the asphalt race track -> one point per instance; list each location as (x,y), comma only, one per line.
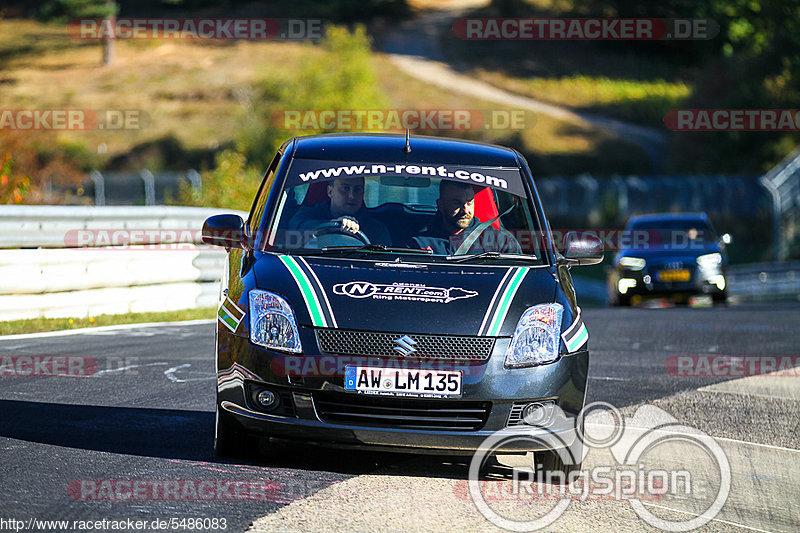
(146,413)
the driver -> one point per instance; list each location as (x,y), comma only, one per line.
(344,207)
(455,222)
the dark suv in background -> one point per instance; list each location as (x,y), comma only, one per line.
(669,255)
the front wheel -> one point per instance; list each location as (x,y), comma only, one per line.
(554,470)
(617,300)
(560,465)
(721,298)
(230,440)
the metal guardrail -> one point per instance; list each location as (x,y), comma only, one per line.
(138,187)
(752,282)
(765,281)
(714,194)
(57,262)
(783,184)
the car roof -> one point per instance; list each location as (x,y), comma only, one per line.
(659,217)
(376,147)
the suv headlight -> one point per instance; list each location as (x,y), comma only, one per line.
(709,261)
(536,340)
(632,263)
(272,322)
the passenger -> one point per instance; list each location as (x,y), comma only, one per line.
(455,222)
(345,207)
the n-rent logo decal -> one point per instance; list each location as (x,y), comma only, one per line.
(401,291)
(310,170)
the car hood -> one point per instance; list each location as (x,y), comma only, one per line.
(405,297)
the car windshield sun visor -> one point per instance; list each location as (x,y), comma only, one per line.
(498,178)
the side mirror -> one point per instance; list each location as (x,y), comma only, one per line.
(726,238)
(224,230)
(582,249)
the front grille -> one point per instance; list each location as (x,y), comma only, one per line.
(515,416)
(390,412)
(372,343)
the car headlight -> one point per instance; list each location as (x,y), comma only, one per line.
(709,260)
(632,263)
(272,322)
(536,339)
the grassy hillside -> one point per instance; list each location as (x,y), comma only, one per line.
(201,96)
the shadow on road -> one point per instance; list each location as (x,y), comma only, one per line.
(167,433)
(188,436)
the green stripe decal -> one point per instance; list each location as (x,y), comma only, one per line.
(227,318)
(505,302)
(314,309)
(579,339)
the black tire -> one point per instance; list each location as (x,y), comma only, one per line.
(720,299)
(552,462)
(231,441)
(620,301)
(566,460)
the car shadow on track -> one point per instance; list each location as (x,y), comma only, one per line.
(167,433)
(188,435)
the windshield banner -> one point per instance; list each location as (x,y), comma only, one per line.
(311,170)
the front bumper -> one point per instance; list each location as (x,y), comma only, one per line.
(626,283)
(243,367)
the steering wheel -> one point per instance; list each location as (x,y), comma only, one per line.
(335,227)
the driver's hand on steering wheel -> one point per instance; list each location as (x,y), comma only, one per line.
(348,224)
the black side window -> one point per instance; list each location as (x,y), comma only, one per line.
(260,203)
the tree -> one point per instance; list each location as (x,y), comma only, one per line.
(66,10)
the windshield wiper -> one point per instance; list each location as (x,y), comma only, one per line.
(373,248)
(490,255)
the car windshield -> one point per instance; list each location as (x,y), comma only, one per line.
(672,233)
(439,211)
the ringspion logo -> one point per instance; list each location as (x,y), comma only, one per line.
(639,470)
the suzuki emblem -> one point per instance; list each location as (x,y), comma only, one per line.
(405,345)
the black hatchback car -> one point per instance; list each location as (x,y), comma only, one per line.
(674,255)
(402,294)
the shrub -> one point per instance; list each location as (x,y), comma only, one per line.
(230,184)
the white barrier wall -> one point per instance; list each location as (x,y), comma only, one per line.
(44,274)
(35,226)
